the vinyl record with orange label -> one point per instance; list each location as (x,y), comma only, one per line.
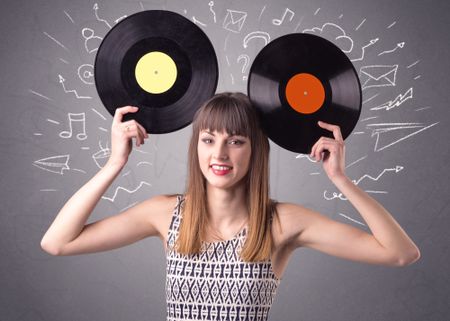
(299,79)
(159,61)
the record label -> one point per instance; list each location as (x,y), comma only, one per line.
(156,72)
(305,93)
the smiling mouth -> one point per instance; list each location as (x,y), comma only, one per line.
(221,168)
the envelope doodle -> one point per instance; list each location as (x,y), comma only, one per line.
(378,76)
(234,20)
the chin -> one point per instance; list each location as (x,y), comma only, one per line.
(224,185)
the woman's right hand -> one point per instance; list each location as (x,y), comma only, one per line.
(122,134)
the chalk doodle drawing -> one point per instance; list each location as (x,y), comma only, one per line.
(396,169)
(359,26)
(376,60)
(363,49)
(378,76)
(211,5)
(387,134)
(339,36)
(38,94)
(234,20)
(196,21)
(246,59)
(62,81)
(91,41)
(101,156)
(68,16)
(256,34)
(54,164)
(400,99)
(399,45)
(78,121)
(278,22)
(86,74)
(56,41)
(130,191)
(96,7)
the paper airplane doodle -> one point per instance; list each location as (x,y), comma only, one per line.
(389,134)
(54,164)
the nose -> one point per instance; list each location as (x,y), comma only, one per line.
(221,151)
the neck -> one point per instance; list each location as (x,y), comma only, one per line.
(226,207)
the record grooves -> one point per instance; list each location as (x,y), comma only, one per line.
(298,79)
(159,61)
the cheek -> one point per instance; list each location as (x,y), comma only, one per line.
(246,158)
(201,158)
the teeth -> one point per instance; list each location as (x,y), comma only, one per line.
(221,168)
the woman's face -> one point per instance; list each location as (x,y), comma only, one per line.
(223,159)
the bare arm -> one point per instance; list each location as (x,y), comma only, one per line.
(71,220)
(387,245)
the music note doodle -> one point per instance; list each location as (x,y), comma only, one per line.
(278,22)
(79,119)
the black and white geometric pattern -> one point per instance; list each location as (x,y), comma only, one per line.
(216,284)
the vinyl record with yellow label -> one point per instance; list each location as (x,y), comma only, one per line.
(159,61)
(299,79)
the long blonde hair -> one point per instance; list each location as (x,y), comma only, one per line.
(231,113)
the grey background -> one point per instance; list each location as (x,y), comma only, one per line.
(128,283)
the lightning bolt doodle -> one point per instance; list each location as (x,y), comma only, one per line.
(400,99)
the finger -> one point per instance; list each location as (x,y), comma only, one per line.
(325,145)
(142,130)
(333,128)
(323,149)
(139,126)
(119,112)
(321,139)
(313,150)
(132,129)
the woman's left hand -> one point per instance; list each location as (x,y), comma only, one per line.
(330,151)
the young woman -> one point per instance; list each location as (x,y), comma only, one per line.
(227,242)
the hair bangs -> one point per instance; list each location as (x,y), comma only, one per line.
(224,115)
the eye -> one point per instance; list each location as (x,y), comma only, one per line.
(236,142)
(206,140)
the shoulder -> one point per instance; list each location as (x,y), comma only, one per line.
(159,211)
(161,202)
(290,221)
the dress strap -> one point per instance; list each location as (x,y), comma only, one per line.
(175,223)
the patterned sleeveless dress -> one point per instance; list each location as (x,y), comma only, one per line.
(216,284)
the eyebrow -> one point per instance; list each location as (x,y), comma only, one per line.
(207,131)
